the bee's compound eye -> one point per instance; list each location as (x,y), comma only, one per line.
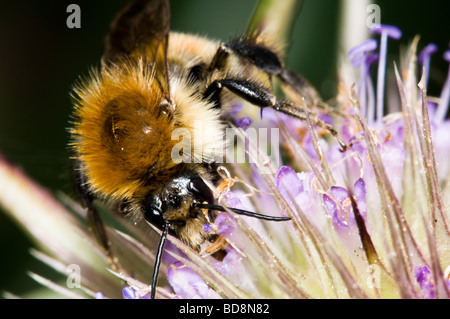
(153,212)
(200,190)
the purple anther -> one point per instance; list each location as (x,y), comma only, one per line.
(389,30)
(357,52)
(359,58)
(447,55)
(425,57)
(427,52)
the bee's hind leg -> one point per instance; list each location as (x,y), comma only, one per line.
(93,216)
(295,111)
(256,94)
(265,59)
(268,61)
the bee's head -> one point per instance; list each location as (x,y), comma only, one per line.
(175,206)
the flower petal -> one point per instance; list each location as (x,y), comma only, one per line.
(334,211)
(288,182)
(359,191)
(129,293)
(99,295)
(188,284)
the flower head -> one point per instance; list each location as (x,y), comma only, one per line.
(371,222)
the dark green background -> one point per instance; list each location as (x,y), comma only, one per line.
(40,58)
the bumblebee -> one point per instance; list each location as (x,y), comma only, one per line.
(150,83)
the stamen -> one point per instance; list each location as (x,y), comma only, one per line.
(424,58)
(370,91)
(391,32)
(442,109)
(357,56)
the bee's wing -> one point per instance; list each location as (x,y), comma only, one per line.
(140,29)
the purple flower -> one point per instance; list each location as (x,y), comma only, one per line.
(187,284)
(99,295)
(299,191)
(207,228)
(242,122)
(394,245)
(129,293)
(359,191)
(286,178)
(339,207)
(223,225)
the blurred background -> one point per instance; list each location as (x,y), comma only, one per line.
(40,59)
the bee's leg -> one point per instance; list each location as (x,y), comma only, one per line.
(93,216)
(295,111)
(258,55)
(293,84)
(258,95)
(220,58)
(200,71)
(250,91)
(268,61)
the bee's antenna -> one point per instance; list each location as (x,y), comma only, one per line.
(240,212)
(158,260)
